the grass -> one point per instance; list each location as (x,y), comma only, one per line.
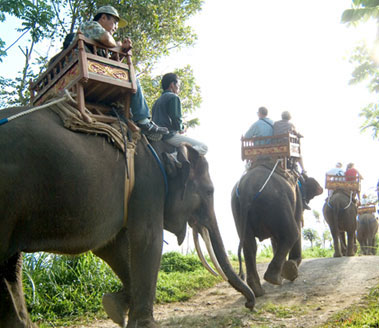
(363,315)
(63,291)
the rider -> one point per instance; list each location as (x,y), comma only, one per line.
(101,29)
(283,127)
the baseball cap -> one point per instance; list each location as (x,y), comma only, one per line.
(111,11)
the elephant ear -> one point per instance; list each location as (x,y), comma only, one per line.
(188,157)
(171,164)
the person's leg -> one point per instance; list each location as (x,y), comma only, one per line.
(138,105)
(140,112)
(177,139)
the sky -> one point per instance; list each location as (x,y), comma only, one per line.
(284,55)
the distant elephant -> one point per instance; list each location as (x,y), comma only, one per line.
(340,213)
(270,206)
(63,192)
(366,233)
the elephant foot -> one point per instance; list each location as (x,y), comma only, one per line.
(113,306)
(143,323)
(256,287)
(337,255)
(273,278)
(289,270)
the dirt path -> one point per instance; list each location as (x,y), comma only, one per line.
(324,287)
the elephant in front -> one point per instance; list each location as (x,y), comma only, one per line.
(267,203)
(366,233)
(63,192)
(340,212)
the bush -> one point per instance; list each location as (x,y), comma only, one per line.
(317,252)
(62,286)
(176,262)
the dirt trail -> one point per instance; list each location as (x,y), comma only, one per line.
(324,287)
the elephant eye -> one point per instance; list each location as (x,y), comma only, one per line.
(209,192)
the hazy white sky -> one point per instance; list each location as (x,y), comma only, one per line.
(284,55)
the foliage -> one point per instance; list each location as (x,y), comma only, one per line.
(317,252)
(62,288)
(189,92)
(365,314)
(366,62)
(176,262)
(311,235)
(266,254)
(156,28)
(181,286)
(326,236)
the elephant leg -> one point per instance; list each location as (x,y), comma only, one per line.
(145,244)
(350,243)
(336,241)
(250,253)
(373,245)
(116,254)
(13,311)
(241,273)
(343,243)
(285,240)
(290,267)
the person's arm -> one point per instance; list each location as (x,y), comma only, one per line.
(174,111)
(93,30)
(107,39)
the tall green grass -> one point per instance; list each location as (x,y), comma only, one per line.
(62,288)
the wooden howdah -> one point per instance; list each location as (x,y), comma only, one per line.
(275,147)
(96,78)
(334,182)
(366,209)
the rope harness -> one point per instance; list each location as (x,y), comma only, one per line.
(347,206)
(264,184)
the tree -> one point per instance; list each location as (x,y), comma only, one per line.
(366,61)
(311,235)
(156,27)
(37,22)
(326,236)
(316,215)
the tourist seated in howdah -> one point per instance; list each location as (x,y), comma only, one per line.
(91,69)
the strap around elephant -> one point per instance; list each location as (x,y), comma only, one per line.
(159,164)
(347,206)
(264,184)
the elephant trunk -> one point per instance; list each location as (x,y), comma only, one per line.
(225,266)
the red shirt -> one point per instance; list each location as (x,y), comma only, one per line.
(351,174)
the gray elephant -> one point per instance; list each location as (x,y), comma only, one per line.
(366,233)
(63,192)
(340,212)
(268,204)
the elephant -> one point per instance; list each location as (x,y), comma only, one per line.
(268,204)
(63,192)
(366,233)
(340,212)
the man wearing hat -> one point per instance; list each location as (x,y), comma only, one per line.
(101,29)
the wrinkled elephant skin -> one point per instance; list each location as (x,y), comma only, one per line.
(274,212)
(63,192)
(366,233)
(340,213)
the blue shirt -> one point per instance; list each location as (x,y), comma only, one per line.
(261,128)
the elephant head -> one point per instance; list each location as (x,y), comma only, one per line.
(312,187)
(190,200)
